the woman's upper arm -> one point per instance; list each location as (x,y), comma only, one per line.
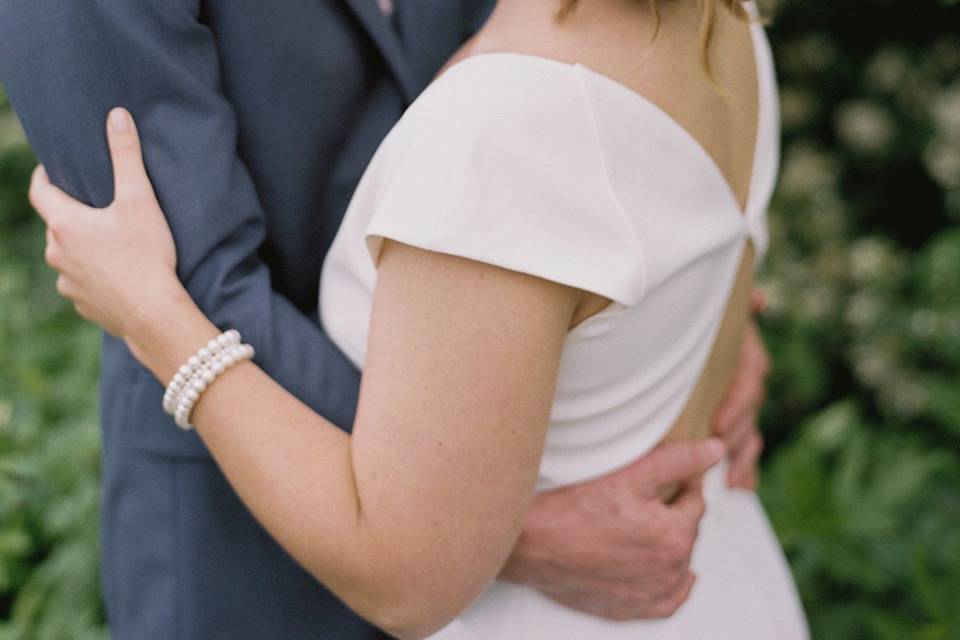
(455,401)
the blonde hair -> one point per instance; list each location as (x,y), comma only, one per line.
(706,28)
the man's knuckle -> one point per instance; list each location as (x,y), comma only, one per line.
(684,540)
(676,551)
(667,536)
(699,509)
(622,614)
(661,557)
(670,604)
(656,528)
(675,580)
(664,609)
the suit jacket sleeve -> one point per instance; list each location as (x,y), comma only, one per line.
(66,63)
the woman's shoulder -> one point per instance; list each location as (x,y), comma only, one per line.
(510,93)
(499,161)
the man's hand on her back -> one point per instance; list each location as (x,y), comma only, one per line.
(612,547)
(736,420)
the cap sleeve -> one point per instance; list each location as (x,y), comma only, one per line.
(503,166)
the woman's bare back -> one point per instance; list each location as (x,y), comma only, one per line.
(720,113)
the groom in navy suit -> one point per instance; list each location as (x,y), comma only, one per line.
(258,119)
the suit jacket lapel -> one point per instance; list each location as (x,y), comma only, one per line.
(384,36)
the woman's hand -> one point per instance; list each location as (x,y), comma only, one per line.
(117,264)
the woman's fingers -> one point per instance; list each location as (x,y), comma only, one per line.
(129,173)
(51,253)
(49,201)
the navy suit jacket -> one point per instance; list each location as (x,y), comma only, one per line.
(258,119)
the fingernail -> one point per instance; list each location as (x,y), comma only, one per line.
(119,121)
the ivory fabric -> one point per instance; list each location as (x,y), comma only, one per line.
(555,170)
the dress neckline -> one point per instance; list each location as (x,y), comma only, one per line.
(745,213)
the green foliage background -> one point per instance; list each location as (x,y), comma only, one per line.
(862,471)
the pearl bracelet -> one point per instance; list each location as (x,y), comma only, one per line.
(189,370)
(204,377)
(200,371)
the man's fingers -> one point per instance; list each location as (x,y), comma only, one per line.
(742,399)
(758,301)
(674,462)
(734,437)
(674,601)
(746,391)
(743,463)
(689,500)
(129,173)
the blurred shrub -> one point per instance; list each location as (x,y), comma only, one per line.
(49,434)
(862,474)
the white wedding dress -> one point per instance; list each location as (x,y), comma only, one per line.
(556,170)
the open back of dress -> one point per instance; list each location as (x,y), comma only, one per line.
(557,171)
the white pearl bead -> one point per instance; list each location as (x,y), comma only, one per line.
(207,376)
(223,340)
(191,394)
(199,385)
(213,345)
(228,360)
(250,353)
(193,362)
(234,336)
(178,379)
(217,367)
(185,371)
(204,354)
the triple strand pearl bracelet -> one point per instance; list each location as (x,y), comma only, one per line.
(200,371)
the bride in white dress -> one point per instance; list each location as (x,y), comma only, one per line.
(545,267)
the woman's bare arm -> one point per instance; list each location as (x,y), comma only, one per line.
(412,517)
